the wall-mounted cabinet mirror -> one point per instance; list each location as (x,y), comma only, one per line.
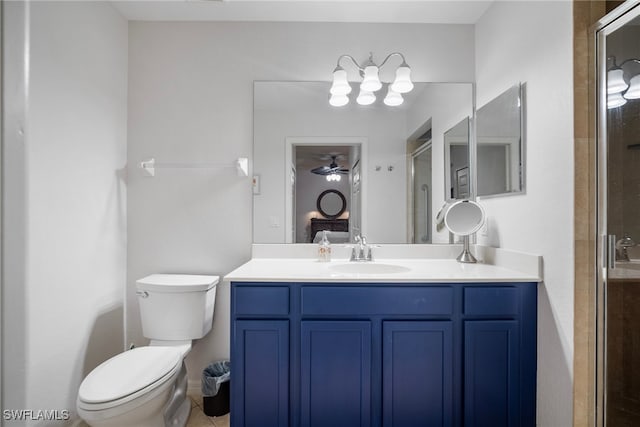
(297,131)
(500,145)
(456,161)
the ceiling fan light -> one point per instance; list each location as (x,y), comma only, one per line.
(615,100)
(338,100)
(615,81)
(393,99)
(340,85)
(402,83)
(365,97)
(634,88)
(370,82)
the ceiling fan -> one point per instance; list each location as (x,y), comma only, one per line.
(333,168)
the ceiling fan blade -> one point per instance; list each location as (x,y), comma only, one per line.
(322,170)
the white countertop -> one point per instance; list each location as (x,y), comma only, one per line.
(294,265)
(625,270)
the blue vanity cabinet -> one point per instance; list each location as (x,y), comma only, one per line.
(417,373)
(499,367)
(335,373)
(383,354)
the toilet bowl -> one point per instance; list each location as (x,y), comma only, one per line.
(146,386)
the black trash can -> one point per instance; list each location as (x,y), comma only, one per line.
(215,388)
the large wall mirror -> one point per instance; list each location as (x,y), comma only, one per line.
(500,145)
(297,132)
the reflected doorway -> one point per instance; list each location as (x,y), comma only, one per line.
(320,168)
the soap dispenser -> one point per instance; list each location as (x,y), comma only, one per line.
(324,248)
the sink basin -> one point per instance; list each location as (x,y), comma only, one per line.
(368,268)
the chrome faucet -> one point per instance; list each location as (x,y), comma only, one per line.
(621,247)
(361,251)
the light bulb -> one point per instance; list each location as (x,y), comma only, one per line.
(615,100)
(393,98)
(402,83)
(615,81)
(340,84)
(338,100)
(337,177)
(365,97)
(634,88)
(371,81)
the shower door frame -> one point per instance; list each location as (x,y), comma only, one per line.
(428,145)
(605,254)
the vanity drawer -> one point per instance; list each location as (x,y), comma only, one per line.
(379,300)
(260,300)
(491,301)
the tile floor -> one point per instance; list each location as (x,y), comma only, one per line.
(198,417)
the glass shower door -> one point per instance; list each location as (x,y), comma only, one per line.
(618,51)
(422,197)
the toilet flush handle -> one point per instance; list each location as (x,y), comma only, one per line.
(142,294)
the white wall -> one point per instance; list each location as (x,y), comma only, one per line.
(532,42)
(74,202)
(190,100)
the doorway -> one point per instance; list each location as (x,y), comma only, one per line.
(325,188)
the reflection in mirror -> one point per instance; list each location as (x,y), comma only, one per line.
(331,204)
(499,149)
(374,145)
(456,149)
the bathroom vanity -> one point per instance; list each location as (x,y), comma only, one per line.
(397,342)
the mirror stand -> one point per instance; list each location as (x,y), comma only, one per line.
(466,256)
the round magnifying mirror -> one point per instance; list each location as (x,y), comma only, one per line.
(464,218)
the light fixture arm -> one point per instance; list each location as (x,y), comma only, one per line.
(352,59)
(390,55)
(627,61)
(615,66)
(370,61)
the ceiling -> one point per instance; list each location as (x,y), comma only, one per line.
(380,11)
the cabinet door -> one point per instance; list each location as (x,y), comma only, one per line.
(492,373)
(335,375)
(417,374)
(260,363)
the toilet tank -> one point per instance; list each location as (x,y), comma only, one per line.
(176,306)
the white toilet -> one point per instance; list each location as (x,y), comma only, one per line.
(146,386)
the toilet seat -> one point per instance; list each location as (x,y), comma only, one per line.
(128,376)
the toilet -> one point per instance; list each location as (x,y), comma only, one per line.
(147,386)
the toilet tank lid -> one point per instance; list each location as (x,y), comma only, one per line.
(177,282)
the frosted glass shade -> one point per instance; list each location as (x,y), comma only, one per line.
(340,84)
(393,98)
(615,81)
(402,83)
(634,88)
(371,81)
(338,100)
(615,100)
(365,97)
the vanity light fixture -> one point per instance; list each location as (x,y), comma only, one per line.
(371,83)
(618,90)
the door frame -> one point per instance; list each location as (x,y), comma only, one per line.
(290,142)
(603,250)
